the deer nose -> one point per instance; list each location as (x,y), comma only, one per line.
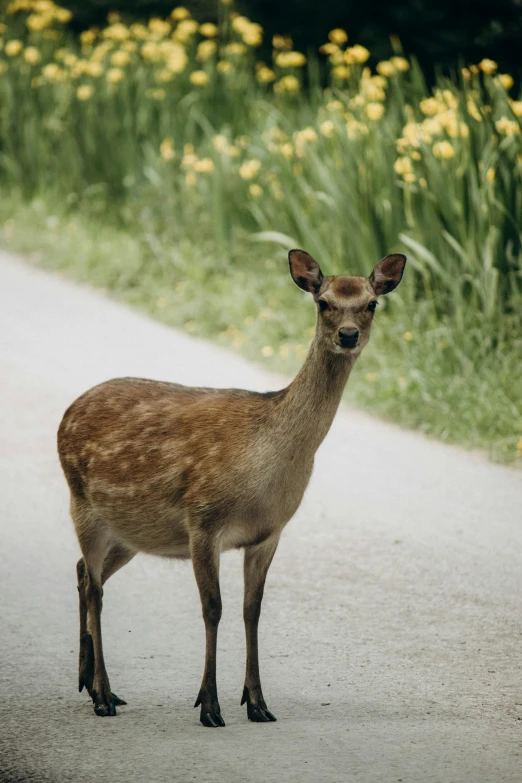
(348,337)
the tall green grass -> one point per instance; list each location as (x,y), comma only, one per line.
(207,180)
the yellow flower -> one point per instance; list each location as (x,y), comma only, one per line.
(250,169)
(129,46)
(114,75)
(84,92)
(507,127)
(329,48)
(443,149)
(205,50)
(235,49)
(290,59)
(516,108)
(372,91)
(371,377)
(204,166)
(267,351)
(167,149)
(164,76)
(282,42)
(32,55)
(176,58)
(466,74)
(338,36)
(490,175)
(37,22)
(400,63)
(408,336)
(403,166)
(224,66)
(52,72)
(356,54)
(139,31)
(327,128)
(506,80)
(265,75)
(88,37)
(519,445)
(253,34)
(488,66)
(98,53)
(385,68)
(255,190)
(62,14)
(185,30)
(473,110)
(308,134)
(208,29)
(199,78)
(423,183)
(287,84)
(3,67)
(335,106)
(179,13)
(93,69)
(341,72)
(240,23)
(302,138)
(159,28)
(70,59)
(120,58)
(220,143)
(116,32)
(429,106)
(374,111)
(286,150)
(13,47)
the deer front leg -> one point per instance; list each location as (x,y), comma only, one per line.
(257,563)
(205,559)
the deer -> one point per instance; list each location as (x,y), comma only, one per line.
(188,472)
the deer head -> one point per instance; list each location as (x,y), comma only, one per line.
(345,305)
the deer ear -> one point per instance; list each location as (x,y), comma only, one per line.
(387,274)
(305,271)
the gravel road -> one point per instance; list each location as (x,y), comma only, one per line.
(391,633)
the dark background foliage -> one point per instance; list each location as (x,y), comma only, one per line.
(442,34)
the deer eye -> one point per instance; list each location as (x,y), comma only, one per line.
(372,306)
(323,305)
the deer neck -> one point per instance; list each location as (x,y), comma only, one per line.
(308,406)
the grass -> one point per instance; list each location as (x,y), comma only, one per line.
(162,165)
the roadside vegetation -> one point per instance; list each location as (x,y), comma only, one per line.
(167,164)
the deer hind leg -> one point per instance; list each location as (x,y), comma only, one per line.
(98,549)
(205,559)
(256,565)
(116,558)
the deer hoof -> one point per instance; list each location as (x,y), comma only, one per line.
(210,714)
(104,707)
(117,701)
(257,712)
(212,719)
